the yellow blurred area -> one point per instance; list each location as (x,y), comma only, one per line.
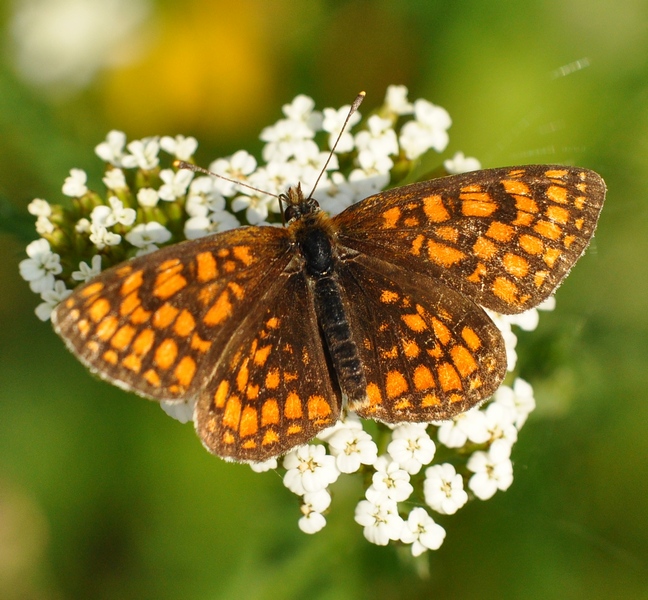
(210,67)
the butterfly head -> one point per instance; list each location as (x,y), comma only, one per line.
(297,206)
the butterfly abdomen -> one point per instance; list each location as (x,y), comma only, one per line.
(314,239)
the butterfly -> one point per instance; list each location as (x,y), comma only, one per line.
(274,331)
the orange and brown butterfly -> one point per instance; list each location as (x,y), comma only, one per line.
(273,331)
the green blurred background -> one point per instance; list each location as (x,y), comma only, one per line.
(104,496)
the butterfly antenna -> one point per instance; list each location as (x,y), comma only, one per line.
(181,164)
(356,103)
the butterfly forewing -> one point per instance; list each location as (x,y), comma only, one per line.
(271,388)
(428,352)
(155,324)
(504,237)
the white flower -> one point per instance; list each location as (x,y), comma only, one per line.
(82,226)
(379,137)
(309,469)
(175,183)
(518,399)
(147,235)
(107,216)
(147,197)
(500,422)
(41,266)
(87,272)
(334,194)
(51,299)
(510,339)
(237,167)
(429,130)
(371,162)
(301,110)
(333,122)
(348,421)
(314,504)
(256,205)
(470,425)
(352,448)
(101,237)
(39,208)
(112,150)
(143,154)
(380,520)
(284,139)
(411,447)
(396,100)
(266,465)
(461,164)
(61,44)
(75,184)
(422,532)
(366,184)
(197,227)
(443,489)
(114,179)
(389,481)
(180,146)
(492,470)
(180,411)
(44,226)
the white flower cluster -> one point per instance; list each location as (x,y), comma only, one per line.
(145,201)
(136,218)
(399,478)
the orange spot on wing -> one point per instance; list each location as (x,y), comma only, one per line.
(516,187)
(414,322)
(478,273)
(557,214)
(166,353)
(206,267)
(463,360)
(197,343)
(243,254)
(220,396)
(515,265)
(450,234)
(269,413)
(261,355)
(390,218)
(448,377)
(243,376)
(550,256)
(395,384)
(152,378)
(388,297)
(444,255)
(318,408)
(133,363)
(500,231)
(185,371)
(410,348)
(110,356)
(557,193)
(99,309)
(129,304)
(423,378)
(220,311)
(132,283)
(164,316)
(166,286)
(506,290)
(373,394)
(143,342)
(106,328)
(293,407)
(548,230)
(272,379)
(478,208)
(484,248)
(471,338)
(185,323)
(249,422)
(140,316)
(434,209)
(232,412)
(441,331)
(531,244)
(122,339)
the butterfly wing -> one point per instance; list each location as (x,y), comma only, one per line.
(504,237)
(154,324)
(271,388)
(428,352)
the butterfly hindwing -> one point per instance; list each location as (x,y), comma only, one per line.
(428,353)
(271,388)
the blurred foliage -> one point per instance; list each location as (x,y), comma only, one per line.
(104,496)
